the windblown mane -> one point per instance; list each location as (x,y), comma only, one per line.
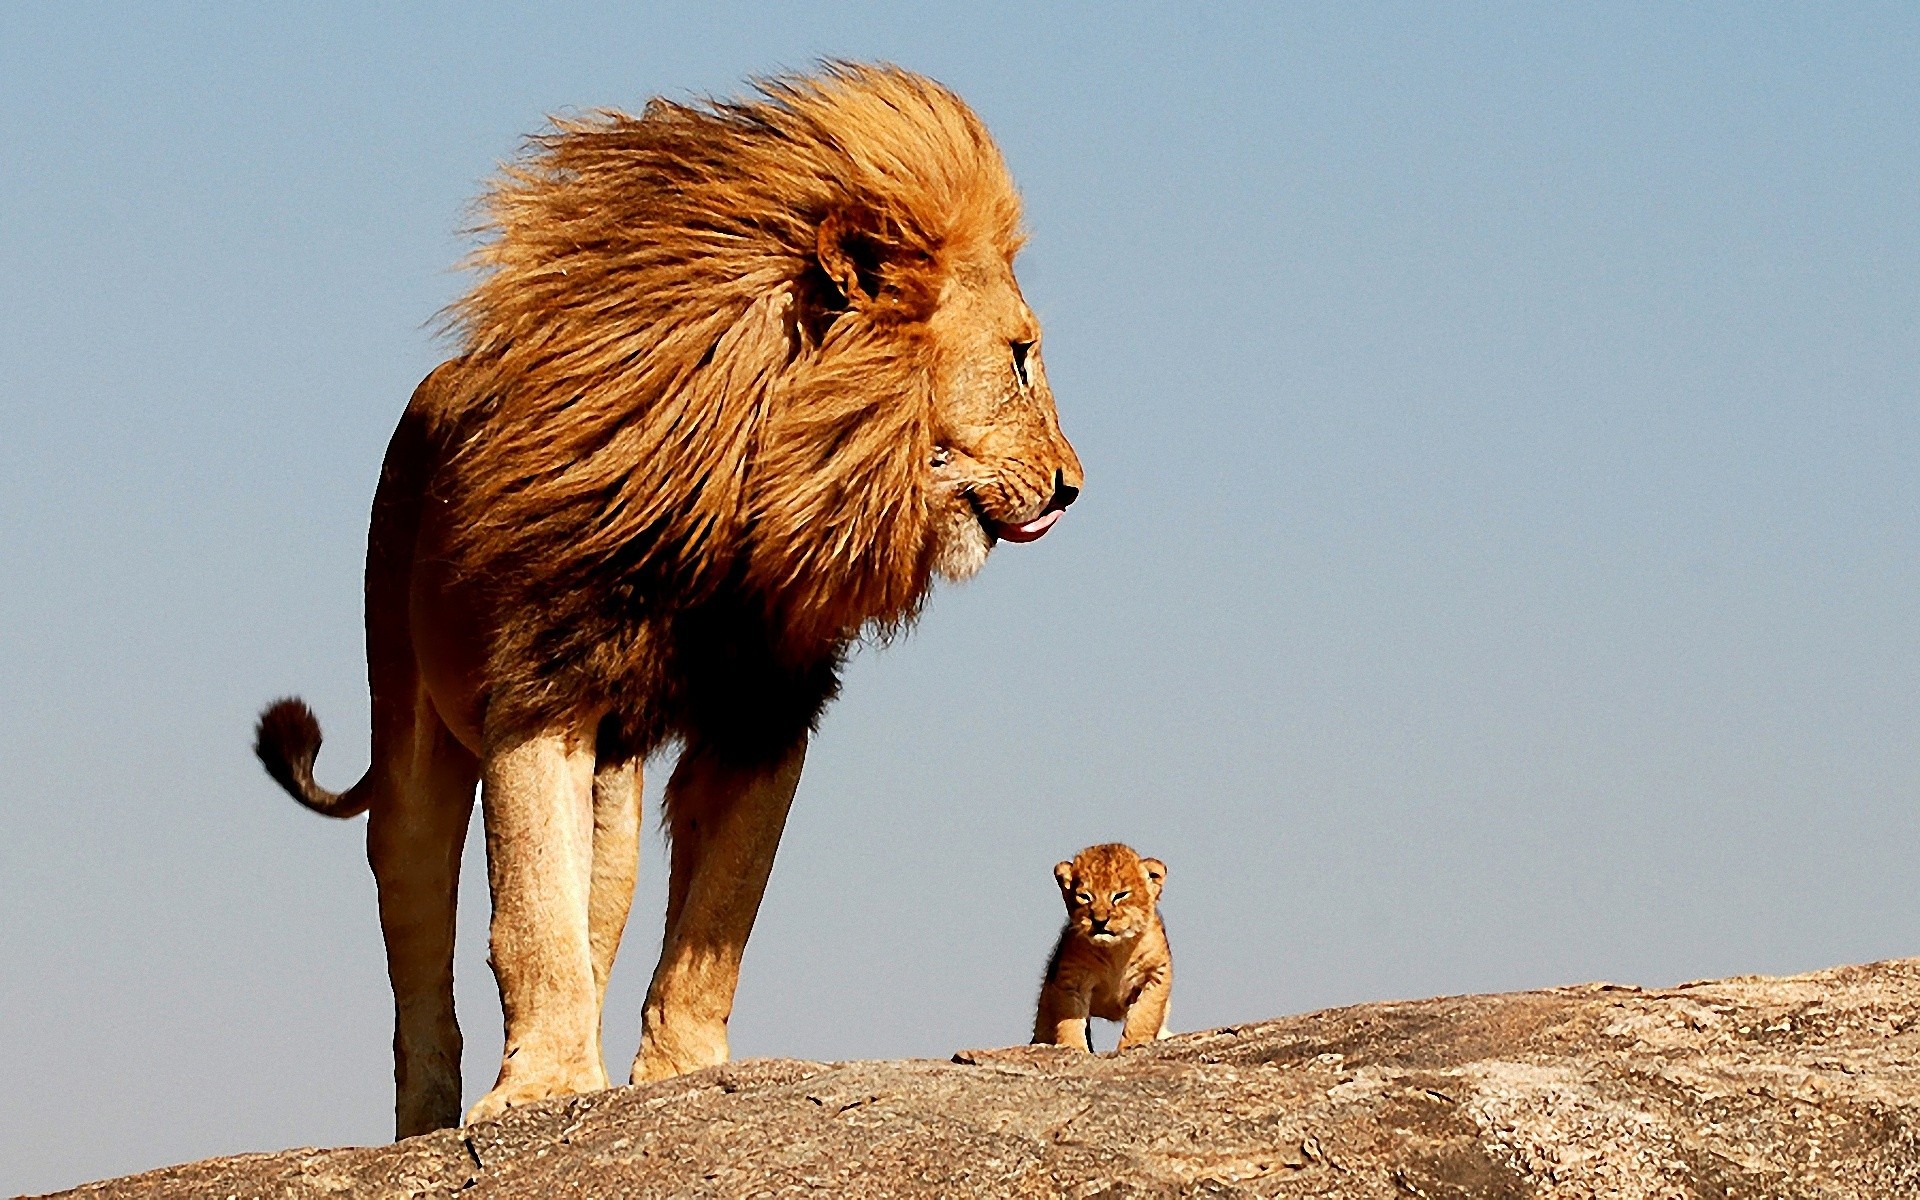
(696,369)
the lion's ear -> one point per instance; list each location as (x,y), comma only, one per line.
(1063,872)
(851,254)
(1156,874)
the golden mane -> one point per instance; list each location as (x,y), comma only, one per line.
(695,370)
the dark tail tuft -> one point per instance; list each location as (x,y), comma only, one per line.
(287,740)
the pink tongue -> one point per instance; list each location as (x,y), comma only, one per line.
(1032,530)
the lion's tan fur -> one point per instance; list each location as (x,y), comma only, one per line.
(735,382)
(1112,959)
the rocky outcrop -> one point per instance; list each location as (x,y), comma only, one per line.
(1797,1087)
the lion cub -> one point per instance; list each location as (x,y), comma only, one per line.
(1112,959)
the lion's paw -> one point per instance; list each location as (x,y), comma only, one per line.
(524,1090)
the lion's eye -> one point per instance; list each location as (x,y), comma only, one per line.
(1083,897)
(1020,351)
(1119,896)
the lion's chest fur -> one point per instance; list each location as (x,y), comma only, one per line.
(712,675)
(717,669)
(1110,976)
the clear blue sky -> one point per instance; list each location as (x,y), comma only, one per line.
(1497,566)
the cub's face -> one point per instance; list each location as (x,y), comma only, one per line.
(1110,892)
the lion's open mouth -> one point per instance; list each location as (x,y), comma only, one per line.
(1009,531)
(1031,531)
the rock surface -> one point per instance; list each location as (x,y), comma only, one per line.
(1753,1087)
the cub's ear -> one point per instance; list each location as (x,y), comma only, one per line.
(1063,872)
(1156,873)
(851,253)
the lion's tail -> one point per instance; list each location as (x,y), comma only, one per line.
(287,740)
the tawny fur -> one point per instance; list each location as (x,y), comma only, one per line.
(1112,960)
(737,381)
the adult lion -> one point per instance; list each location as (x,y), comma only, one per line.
(738,381)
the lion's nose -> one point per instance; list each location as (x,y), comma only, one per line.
(1064,493)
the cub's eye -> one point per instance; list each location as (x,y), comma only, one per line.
(1119,896)
(1020,351)
(1083,897)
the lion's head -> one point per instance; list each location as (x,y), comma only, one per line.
(1001,467)
(1110,892)
(768,351)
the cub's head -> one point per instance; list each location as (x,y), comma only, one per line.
(1110,892)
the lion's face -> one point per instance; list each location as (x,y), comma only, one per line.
(1110,893)
(1002,469)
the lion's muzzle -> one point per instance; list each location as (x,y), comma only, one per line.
(1064,494)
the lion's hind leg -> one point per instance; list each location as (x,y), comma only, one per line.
(417,827)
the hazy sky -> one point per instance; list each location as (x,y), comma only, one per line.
(1497,566)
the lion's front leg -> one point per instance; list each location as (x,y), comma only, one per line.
(616,861)
(1063,1017)
(1147,1015)
(537,799)
(725,822)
